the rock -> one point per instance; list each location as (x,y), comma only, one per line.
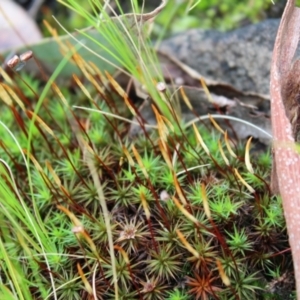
(241,57)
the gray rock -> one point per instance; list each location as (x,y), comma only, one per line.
(241,57)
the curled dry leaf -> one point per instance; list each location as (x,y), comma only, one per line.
(284,113)
(290,92)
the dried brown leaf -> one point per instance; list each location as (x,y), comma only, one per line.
(286,164)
